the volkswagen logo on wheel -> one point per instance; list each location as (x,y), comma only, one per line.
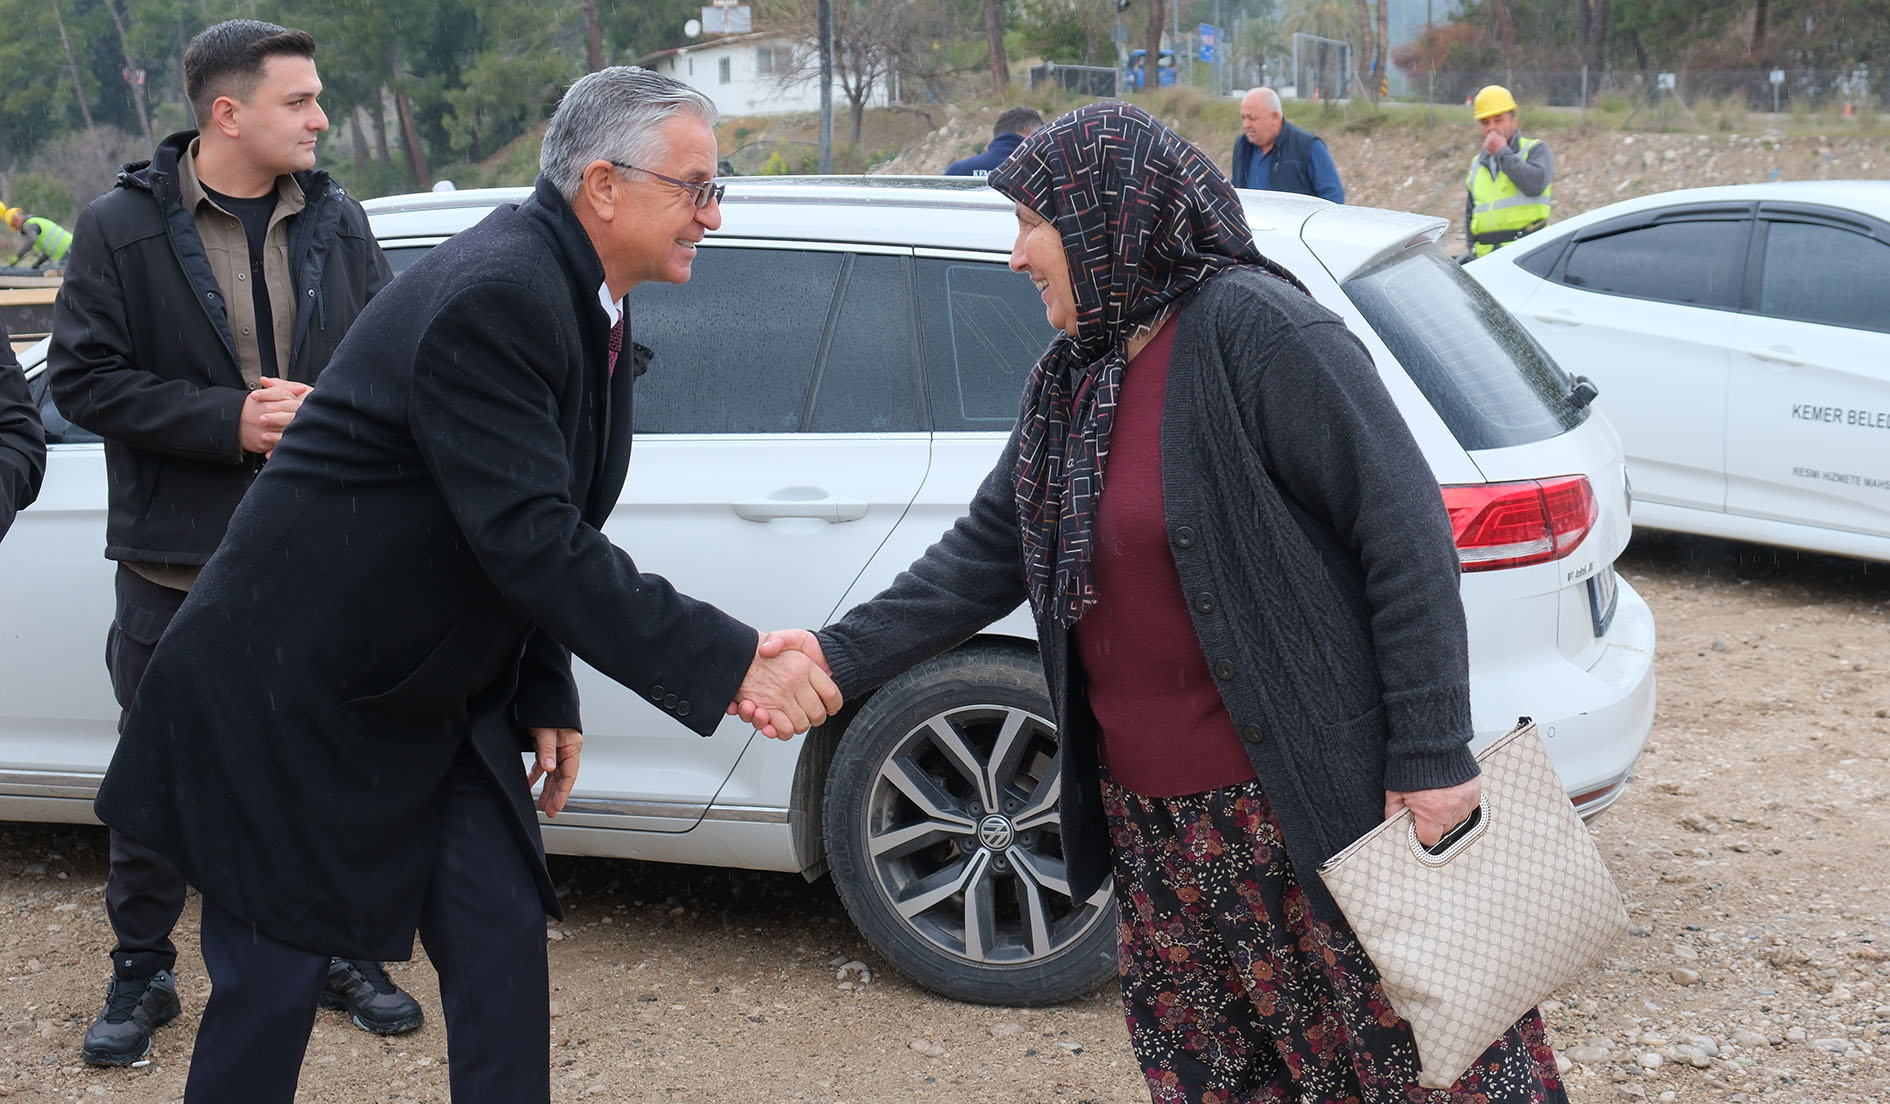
(995,832)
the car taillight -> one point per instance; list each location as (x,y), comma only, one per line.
(1526,522)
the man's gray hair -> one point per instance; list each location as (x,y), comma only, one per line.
(613,115)
(1266,99)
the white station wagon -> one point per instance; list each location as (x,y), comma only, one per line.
(827,392)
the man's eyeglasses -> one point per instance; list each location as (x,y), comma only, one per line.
(704,192)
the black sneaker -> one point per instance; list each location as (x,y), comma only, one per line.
(134,1008)
(364,991)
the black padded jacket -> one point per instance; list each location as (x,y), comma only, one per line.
(142,353)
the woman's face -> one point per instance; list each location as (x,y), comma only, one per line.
(1038,254)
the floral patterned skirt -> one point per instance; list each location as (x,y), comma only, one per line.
(1236,994)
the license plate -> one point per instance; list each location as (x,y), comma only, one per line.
(1602,596)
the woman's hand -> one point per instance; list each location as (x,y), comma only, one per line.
(1436,811)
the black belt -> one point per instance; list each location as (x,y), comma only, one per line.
(1504,237)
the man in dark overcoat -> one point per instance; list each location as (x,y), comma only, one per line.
(426,545)
(22,441)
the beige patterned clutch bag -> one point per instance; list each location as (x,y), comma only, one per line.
(1471,938)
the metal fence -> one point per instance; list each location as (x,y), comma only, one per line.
(1083,80)
(1844,92)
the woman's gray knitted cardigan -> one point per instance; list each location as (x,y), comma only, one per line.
(1321,576)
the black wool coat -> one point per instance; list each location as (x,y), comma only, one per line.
(417,564)
(22,443)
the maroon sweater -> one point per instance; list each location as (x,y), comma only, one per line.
(1165,731)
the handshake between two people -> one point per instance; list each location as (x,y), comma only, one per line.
(789,688)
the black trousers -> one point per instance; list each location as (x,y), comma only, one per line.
(144,893)
(483,925)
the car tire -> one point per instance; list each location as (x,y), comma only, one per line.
(944,840)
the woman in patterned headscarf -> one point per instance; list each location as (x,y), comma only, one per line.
(1245,591)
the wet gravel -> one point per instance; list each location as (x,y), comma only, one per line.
(1750,850)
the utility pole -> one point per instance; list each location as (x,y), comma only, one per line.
(826,87)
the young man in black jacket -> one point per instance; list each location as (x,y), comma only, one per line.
(203,296)
(22,442)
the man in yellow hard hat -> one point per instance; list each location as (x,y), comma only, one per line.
(1508,186)
(44,236)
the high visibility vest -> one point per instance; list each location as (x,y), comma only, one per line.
(1498,211)
(53,239)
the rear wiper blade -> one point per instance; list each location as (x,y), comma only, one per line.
(1582,391)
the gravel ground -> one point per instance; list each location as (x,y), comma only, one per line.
(1749,849)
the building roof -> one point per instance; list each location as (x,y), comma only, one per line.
(756,37)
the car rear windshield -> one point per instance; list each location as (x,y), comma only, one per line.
(1488,380)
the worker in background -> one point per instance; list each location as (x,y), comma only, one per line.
(1272,154)
(1509,181)
(44,236)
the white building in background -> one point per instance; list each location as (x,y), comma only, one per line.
(750,74)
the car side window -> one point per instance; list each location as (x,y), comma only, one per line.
(1827,274)
(1699,263)
(983,330)
(866,382)
(1541,261)
(401,257)
(735,346)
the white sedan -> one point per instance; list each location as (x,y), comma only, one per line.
(1740,338)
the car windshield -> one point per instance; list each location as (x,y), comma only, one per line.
(1488,380)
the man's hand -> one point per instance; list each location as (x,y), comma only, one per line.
(1436,811)
(800,640)
(788,688)
(267,411)
(557,764)
(1493,142)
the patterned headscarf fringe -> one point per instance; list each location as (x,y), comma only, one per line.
(1145,218)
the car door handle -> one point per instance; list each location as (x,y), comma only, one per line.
(1557,318)
(800,502)
(1777,354)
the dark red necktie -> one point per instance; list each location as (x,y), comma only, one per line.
(616,346)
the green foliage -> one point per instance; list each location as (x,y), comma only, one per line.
(1062,30)
(1615,105)
(376,179)
(476,78)
(37,100)
(41,194)
(517,163)
(502,95)
(636,30)
(1330,18)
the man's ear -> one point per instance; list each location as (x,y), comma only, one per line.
(223,116)
(602,188)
